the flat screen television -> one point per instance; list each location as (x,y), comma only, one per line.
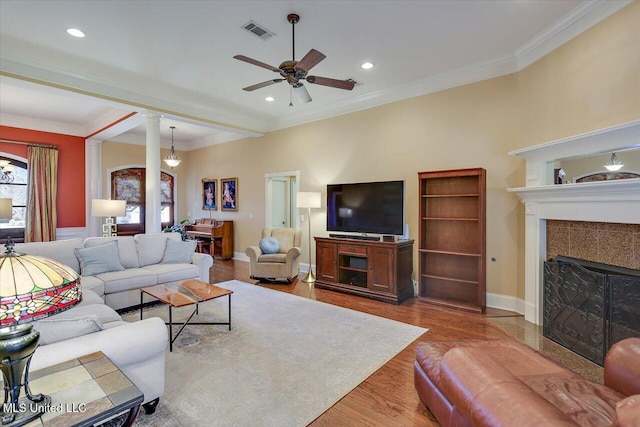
(366,207)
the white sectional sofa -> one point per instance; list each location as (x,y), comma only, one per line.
(137,348)
(141,257)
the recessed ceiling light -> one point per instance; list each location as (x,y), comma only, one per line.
(269,99)
(367,65)
(75,32)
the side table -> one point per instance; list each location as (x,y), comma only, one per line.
(84,392)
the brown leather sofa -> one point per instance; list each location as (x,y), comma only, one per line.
(506,383)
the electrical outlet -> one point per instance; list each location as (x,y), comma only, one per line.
(301,218)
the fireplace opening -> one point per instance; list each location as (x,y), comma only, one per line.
(589,306)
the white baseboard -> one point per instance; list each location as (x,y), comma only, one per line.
(499,301)
(304,268)
(505,302)
(240,256)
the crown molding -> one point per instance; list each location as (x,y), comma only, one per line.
(477,72)
(571,25)
(168,101)
(125,93)
(42,125)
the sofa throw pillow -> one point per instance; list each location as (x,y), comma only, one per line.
(178,252)
(269,245)
(54,330)
(150,247)
(99,259)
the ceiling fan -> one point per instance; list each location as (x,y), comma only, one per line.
(293,72)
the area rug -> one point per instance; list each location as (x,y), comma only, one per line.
(286,360)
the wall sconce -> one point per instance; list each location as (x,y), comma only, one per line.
(108,209)
(6,167)
(614,164)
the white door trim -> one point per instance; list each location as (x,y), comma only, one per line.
(268,195)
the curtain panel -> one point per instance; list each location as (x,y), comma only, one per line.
(42,190)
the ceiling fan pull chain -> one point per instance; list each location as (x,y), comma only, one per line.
(290,96)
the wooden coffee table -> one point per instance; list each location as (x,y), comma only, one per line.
(189,292)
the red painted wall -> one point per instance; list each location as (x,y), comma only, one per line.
(71,169)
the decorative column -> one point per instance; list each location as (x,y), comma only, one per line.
(152,217)
(93,183)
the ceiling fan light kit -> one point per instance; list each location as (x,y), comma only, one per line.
(294,72)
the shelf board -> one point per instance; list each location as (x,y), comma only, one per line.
(453,303)
(359,270)
(451,279)
(434,251)
(430,196)
(434,218)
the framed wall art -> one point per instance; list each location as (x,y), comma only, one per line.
(229,199)
(209,194)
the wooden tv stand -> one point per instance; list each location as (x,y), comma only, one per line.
(379,270)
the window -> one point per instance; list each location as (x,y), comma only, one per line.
(129,184)
(14,186)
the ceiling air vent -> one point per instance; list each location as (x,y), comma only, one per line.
(258,30)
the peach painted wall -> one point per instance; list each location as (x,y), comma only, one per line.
(589,83)
(71,169)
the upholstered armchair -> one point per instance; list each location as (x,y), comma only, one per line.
(281,265)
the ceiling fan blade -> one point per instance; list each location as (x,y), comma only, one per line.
(261,85)
(326,81)
(302,93)
(258,63)
(310,60)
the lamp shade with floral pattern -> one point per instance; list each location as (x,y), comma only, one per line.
(34,287)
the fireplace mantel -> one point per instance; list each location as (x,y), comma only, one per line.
(606,201)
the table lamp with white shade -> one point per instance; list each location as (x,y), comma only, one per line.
(6,208)
(108,209)
(309,200)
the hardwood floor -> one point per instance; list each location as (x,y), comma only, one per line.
(387,397)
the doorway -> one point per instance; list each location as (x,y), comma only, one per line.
(281,189)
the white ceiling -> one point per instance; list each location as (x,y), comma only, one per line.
(176,57)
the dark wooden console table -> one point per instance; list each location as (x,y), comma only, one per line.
(374,269)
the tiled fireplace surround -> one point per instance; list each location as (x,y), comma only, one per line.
(603,242)
(597,221)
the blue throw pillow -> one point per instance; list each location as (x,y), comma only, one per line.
(179,252)
(269,245)
(99,259)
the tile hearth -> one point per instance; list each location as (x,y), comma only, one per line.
(531,335)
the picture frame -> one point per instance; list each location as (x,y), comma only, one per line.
(209,191)
(229,194)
